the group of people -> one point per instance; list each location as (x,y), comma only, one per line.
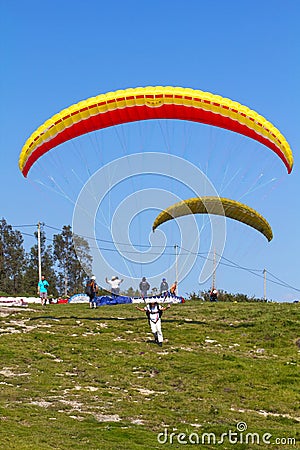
(163,290)
(115,281)
(92,288)
(153,310)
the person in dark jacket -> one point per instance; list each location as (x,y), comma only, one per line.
(91,290)
(164,287)
(213,295)
(144,287)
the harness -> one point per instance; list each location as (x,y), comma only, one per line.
(153,310)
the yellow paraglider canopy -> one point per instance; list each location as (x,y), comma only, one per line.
(218,206)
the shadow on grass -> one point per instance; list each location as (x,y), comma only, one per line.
(243,325)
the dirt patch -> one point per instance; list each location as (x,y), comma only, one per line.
(7,372)
(7,310)
(266,413)
(107,418)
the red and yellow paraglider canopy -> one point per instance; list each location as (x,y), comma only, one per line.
(145,103)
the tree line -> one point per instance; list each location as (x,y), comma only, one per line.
(60,265)
(224,296)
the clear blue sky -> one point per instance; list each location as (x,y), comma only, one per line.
(56,53)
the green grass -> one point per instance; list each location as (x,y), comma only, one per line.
(75,378)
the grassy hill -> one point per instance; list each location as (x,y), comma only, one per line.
(227,377)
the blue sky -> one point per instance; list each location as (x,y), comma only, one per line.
(56,53)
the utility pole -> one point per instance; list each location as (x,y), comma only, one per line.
(265,284)
(66,266)
(39,250)
(176,265)
(214,271)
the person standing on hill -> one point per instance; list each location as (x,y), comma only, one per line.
(173,289)
(213,295)
(114,285)
(144,287)
(42,290)
(91,290)
(163,287)
(154,312)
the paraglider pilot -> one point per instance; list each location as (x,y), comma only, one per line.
(154,312)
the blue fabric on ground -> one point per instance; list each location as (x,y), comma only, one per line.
(106,300)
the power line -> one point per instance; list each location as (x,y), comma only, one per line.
(115,242)
(21,226)
(27,234)
(204,255)
(256,272)
(282,283)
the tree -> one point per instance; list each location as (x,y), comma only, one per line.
(132,293)
(224,296)
(12,259)
(71,276)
